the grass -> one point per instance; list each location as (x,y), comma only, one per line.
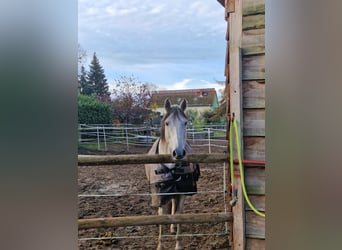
(219,134)
(91,146)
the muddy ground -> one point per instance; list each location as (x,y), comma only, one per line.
(128,182)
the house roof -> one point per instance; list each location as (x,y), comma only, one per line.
(222,2)
(195,97)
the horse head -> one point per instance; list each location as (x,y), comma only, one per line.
(173,129)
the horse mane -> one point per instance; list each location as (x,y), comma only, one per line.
(175,110)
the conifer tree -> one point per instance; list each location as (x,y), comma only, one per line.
(97,81)
(83,82)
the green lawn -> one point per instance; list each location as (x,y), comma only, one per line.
(219,134)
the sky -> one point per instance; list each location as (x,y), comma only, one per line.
(174,44)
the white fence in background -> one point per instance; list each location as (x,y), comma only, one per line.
(103,136)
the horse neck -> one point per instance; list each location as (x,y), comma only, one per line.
(163,148)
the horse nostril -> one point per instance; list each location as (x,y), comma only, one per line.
(178,155)
(174,153)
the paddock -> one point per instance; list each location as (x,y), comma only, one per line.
(120,194)
(115,211)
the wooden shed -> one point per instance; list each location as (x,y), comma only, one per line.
(245,87)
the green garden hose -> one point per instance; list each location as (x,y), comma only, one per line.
(234,189)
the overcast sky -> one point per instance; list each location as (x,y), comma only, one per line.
(174,44)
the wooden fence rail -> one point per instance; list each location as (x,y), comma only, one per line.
(154,220)
(95,160)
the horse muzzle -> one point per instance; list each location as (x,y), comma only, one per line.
(178,154)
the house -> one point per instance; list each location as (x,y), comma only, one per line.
(199,100)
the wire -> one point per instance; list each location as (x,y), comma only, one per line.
(148,194)
(238,145)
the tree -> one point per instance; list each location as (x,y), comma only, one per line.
(93,111)
(131,98)
(97,81)
(82,56)
(217,115)
(85,89)
(196,119)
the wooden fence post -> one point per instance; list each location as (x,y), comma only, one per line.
(235,99)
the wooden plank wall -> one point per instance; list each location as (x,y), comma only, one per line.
(252,112)
(253,99)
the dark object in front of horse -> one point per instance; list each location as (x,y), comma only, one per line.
(182,178)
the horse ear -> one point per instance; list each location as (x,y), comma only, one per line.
(183,104)
(167,105)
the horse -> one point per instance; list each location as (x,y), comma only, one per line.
(169,183)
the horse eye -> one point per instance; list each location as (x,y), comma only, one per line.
(166,123)
(185,123)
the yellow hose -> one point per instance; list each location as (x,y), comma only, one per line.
(238,145)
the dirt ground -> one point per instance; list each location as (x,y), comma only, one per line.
(129,184)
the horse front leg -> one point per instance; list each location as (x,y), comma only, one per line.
(161,211)
(160,238)
(174,204)
(178,209)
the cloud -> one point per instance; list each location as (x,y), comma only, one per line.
(159,41)
(114,11)
(216,85)
(156,10)
(180,85)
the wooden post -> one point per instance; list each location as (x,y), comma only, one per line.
(230,6)
(209,141)
(127,143)
(104,137)
(235,85)
(98,137)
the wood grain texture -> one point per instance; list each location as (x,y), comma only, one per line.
(253,67)
(254,122)
(255,225)
(253,93)
(253,89)
(235,84)
(255,244)
(96,160)
(255,37)
(254,148)
(258,201)
(255,181)
(230,6)
(253,50)
(253,22)
(252,7)
(245,70)
(153,220)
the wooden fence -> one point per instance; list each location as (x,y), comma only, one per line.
(86,160)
